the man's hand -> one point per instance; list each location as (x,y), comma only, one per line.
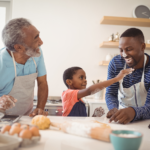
(38,111)
(111,112)
(123,116)
(7,102)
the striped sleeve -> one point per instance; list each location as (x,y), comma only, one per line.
(112,90)
(144,111)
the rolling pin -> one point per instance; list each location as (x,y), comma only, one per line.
(94,130)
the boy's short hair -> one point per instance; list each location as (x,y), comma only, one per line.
(68,73)
(133,32)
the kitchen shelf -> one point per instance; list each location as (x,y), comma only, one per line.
(107,44)
(125,21)
(104,63)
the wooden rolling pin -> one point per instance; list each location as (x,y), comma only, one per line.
(94,130)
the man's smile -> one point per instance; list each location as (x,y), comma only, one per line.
(128,60)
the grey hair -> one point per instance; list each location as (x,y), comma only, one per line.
(12,33)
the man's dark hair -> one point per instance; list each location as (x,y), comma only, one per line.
(68,73)
(134,32)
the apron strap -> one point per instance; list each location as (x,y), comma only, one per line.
(145,59)
(35,63)
(14,62)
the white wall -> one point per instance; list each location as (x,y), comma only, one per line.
(72,33)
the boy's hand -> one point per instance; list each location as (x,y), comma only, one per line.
(123,73)
(98,112)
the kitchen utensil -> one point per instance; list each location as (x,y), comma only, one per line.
(111,38)
(93,82)
(1,115)
(125,139)
(16,119)
(116,37)
(9,120)
(95,130)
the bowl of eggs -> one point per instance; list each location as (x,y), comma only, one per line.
(126,139)
(28,134)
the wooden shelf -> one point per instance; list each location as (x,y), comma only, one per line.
(104,63)
(125,21)
(107,44)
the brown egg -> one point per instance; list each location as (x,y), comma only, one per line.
(24,126)
(35,131)
(5,128)
(16,124)
(25,134)
(14,130)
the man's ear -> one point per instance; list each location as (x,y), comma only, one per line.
(19,48)
(143,47)
(69,82)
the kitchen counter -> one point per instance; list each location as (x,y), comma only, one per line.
(57,140)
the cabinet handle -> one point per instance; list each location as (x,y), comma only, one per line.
(56,111)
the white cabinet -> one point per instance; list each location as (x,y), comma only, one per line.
(93,104)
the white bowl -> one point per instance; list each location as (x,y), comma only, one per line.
(8,142)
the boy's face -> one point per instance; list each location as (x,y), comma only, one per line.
(79,80)
(132,50)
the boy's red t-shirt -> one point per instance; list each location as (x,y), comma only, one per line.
(69,98)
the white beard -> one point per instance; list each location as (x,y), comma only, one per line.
(32,53)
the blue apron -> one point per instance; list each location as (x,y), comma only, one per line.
(78,109)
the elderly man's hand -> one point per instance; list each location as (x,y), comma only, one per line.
(38,111)
(123,116)
(7,102)
(111,112)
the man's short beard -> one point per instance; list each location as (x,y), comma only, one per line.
(134,63)
(32,52)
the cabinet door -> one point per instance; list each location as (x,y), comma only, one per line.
(93,106)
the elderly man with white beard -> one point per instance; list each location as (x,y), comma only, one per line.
(21,63)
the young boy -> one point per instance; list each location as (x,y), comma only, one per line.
(75,80)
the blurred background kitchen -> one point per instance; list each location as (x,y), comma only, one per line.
(72,34)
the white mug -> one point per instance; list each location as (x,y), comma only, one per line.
(99,95)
